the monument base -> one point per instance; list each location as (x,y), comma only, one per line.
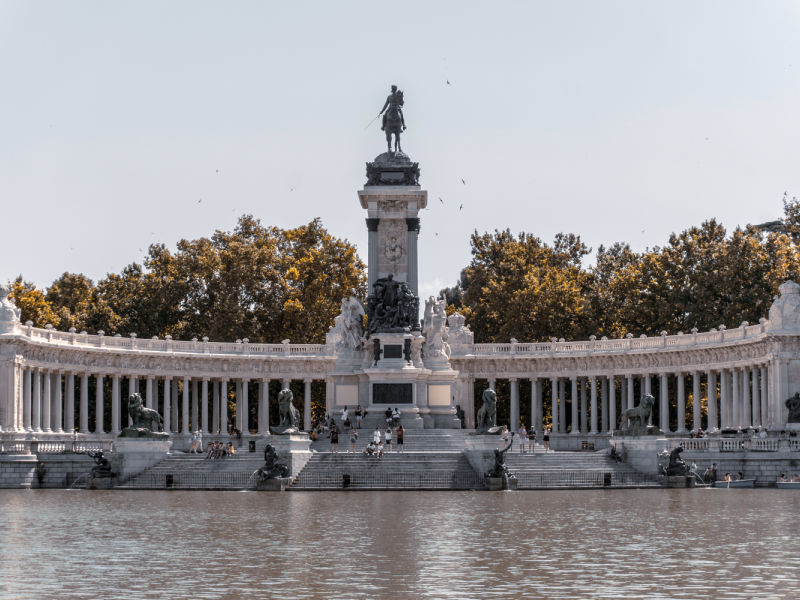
(131,456)
(275,484)
(293,450)
(641,452)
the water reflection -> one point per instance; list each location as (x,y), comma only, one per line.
(570,544)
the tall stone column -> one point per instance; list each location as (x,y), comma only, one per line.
(148,390)
(562,406)
(176,424)
(554,404)
(27,399)
(593,403)
(681,421)
(711,400)
(69,406)
(764,396)
(185,406)
(736,399)
(223,405)
(492,383)
(195,406)
(204,406)
(514,404)
(584,408)
(307,405)
(372,252)
(612,404)
(746,409)
(630,398)
(469,409)
(47,399)
(115,405)
(756,416)
(215,406)
(242,409)
(647,383)
(168,400)
(36,401)
(413,234)
(98,404)
(84,403)
(58,403)
(263,407)
(724,399)
(574,398)
(536,406)
(604,404)
(663,408)
(696,402)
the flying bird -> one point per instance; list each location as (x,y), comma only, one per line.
(448,81)
(217,170)
(199,201)
(464,182)
(442,201)
(460,206)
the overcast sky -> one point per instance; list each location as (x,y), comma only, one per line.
(619,121)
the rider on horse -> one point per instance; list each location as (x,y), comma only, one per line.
(393,101)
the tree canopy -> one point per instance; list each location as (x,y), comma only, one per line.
(520,287)
(257,282)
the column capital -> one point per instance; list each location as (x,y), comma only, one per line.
(513,379)
(372,223)
(413,223)
(308,379)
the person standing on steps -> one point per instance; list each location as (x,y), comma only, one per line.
(523,438)
(546,439)
(400,433)
(388,439)
(376,436)
(353,438)
(532,440)
(334,438)
(359,416)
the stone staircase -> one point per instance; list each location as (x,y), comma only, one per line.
(194,471)
(415,440)
(438,470)
(546,470)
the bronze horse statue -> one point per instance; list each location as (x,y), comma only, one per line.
(393,120)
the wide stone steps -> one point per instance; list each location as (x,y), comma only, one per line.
(428,440)
(421,471)
(573,470)
(194,471)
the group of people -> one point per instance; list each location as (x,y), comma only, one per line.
(795,478)
(527,439)
(220,450)
(196,445)
(382,441)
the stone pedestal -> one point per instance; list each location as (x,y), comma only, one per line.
(277,484)
(293,450)
(641,452)
(131,456)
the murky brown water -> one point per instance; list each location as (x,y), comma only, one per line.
(388,545)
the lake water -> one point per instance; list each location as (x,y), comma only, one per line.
(389,545)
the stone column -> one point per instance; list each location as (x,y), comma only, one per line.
(215,407)
(98,404)
(58,403)
(745,411)
(115,405)
(764,396)
(195,406)
(27,400)
(604,404)
(612,404)
(724,399)
(185,406)
(69,408)
(47,399)
(492,382)
(584,408)
(413,233)
(574,399)
(663,408)
(647,383)
(307,395)
(514,408)
(372,252)
(176,424)
(536,406)
(554,403)
(630,390)
(204,406)
(756,415)
(223,405)
(681,421)
(263,426)
(84,406)
(148,390)
(244,426)
(593,404)
(711,400)
(36,401)
(562,406)
(736,399)
(696,402)
(168,399)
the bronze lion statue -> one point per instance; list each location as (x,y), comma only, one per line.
(487,414)
(634,420)
(288,414)
(142,417)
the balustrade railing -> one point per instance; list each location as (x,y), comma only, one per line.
(750,444)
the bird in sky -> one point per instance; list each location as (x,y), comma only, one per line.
(464,182)
(217,170)
(437,233)
(199,201)
(442,201)
(448,81)
(460,206)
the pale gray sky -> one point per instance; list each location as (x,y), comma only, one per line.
(613,120)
